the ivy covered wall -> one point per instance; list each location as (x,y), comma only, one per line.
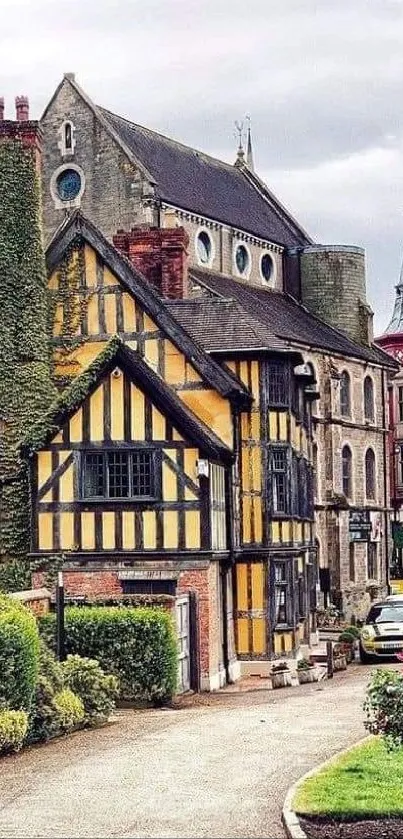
(26,389)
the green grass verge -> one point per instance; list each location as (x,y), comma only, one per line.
(367,782)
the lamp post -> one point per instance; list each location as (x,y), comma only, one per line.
(60,648)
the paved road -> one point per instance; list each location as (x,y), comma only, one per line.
(217,770)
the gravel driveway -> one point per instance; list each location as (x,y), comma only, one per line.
(220,769)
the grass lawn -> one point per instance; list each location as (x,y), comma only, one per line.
(366,782)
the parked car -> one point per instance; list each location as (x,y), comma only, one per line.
(382,632)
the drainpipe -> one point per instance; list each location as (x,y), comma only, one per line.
(229,508)
(385,421)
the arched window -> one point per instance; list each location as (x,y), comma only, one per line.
(370,474)
(345,397)
(346,463)
(369,408)
(315,469)
(68,136)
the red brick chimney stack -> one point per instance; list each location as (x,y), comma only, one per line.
(1,108)
(22,108)
(160,254)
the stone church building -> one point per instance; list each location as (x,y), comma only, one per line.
(221,429)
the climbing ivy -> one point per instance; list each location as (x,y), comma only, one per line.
(68,305)
(26,388)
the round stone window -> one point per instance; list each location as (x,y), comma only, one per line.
(68,184)
(267,267)
(203,247)
(242,260)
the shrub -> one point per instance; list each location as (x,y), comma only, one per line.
(13,729)
(347,637)
(69,708)
(304,664)
(19,649)
(44,719)
(353,630)
(97,691)
(384,707)
(138,645)
(280,667)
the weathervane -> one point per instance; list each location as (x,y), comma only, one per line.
(239,128)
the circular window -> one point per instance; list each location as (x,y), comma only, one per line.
(242,259)
(203,245)
(267,267)
(68,184)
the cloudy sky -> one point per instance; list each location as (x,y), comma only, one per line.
(321,79)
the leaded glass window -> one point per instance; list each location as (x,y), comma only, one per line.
(282,593)
(121,474)
(277,382)
(279,474)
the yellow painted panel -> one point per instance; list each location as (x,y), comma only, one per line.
(246,501)
(58,438)
(210,407)
(300,564)
(151,352)
(231,365)
(54,281)
(259,635)
(288,641)
(137,417)
(245,430)
(93,314)
(108,531)
(176,435)
(298,531)
(175,363)
(67,531)
(149,325)
(242,586)
(109,278)
(257,585)
(246,461)
(255,381)
(132,344)
(287,531)
(192,374)
(44,467)
(192,525)
(110,313)
(170,529)
(88,531)
(275,531)
(97,415)
(66,484)
(189,465)
(273,425)
(45,531)
(58,321)
(278,647)
(243,372)
(158,425)
(242,635)
(256,468)
(128,531)
(149,530)
(90,267)
(169,484)
(257,507)
(255,425)
(117,407)
(76,427)
(283,426)
(129,312)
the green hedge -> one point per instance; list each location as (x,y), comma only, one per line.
(136,645)
(19,654)
(13,729)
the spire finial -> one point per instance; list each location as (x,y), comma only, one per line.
(249,151)
(240,157)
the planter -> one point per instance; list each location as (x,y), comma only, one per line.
(308,675)
(282,679)
(340,663)
(347,650)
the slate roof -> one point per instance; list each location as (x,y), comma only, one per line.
(273,315)
(194,181)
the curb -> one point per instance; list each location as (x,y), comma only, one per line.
(289,817)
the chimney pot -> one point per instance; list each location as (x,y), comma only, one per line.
(1,108)
(22,108)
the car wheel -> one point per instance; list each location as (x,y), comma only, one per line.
(366,658)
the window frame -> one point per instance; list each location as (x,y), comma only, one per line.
(155,471)
(273,369)
(286,472)
(369,399)
(346,448)
(283,585)
(203,231)
(400,402)
(371,494)
(345,404)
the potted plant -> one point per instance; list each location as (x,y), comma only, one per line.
(339,657)
(306,671)
(280,675)
(347,640)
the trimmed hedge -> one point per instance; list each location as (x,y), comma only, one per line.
(136,645)
(19,655)
(13,728)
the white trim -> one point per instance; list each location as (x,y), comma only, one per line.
(196,218)
(211,258)
(271,281)
(66,205)
(237,273)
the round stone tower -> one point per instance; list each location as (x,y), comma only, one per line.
(333,286)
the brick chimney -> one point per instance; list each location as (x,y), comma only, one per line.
(23,130)
(160,254)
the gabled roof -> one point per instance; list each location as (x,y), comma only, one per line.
(194,181)
(78,228)
(118,354)
(276,314)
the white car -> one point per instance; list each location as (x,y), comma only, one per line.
(382,633)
